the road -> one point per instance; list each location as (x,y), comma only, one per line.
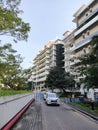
(42,117)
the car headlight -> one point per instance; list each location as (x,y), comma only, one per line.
(58,100)
(48,100)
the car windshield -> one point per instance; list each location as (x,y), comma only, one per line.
(52,95)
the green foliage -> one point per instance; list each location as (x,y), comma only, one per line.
(10,23)
(70,82)
(30,85)
(86,106)
(92,75)
(13,92)
(89,64)
(57,78)
(11,73)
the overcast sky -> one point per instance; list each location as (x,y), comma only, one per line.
(48,19)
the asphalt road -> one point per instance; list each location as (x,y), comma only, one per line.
(39,116)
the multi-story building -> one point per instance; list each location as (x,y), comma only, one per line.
(77,42)
(68,50)
(50,56)
(86,19)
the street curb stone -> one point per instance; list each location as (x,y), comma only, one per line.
(84,112)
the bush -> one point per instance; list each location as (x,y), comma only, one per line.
(13,92)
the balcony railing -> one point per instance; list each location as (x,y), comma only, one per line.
(85,41)
(95,11)
(86,26)
(42,79)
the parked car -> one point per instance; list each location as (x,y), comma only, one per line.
(52,99)
(44,95)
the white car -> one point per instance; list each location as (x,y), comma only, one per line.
(52,99)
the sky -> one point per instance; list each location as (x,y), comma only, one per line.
(48,20)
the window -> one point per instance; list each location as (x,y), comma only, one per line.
(84,50)
(71,45)
(88,33)
(90,10)
(83,36)
(86,14)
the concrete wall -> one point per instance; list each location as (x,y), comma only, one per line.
(11,105)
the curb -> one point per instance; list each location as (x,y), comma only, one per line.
(84,112)
(9,125)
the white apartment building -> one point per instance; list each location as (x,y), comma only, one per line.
(68,40)
(77,42)
(86,19)
(51,55)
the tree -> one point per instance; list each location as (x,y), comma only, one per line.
(57,78)
(89,64)
(5,52)
(69,80)
(10,23)
(9,65)
(11,73)
(92,76)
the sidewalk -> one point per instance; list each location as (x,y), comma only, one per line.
(83,112)
(67,101)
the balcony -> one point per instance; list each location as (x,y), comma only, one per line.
(66,44)
(73,73)
(41,70)
(67,51)
(74,62)
(42,60)
(85,41)
(42,79)
(94,12)
(86,26)
(72,57)
(47,56)
(47,62)
(42,74)
(72,48)
(47,51)
(47,67)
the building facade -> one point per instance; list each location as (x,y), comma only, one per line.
(68,50)
(86,19)
(50,56)
(77,42)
